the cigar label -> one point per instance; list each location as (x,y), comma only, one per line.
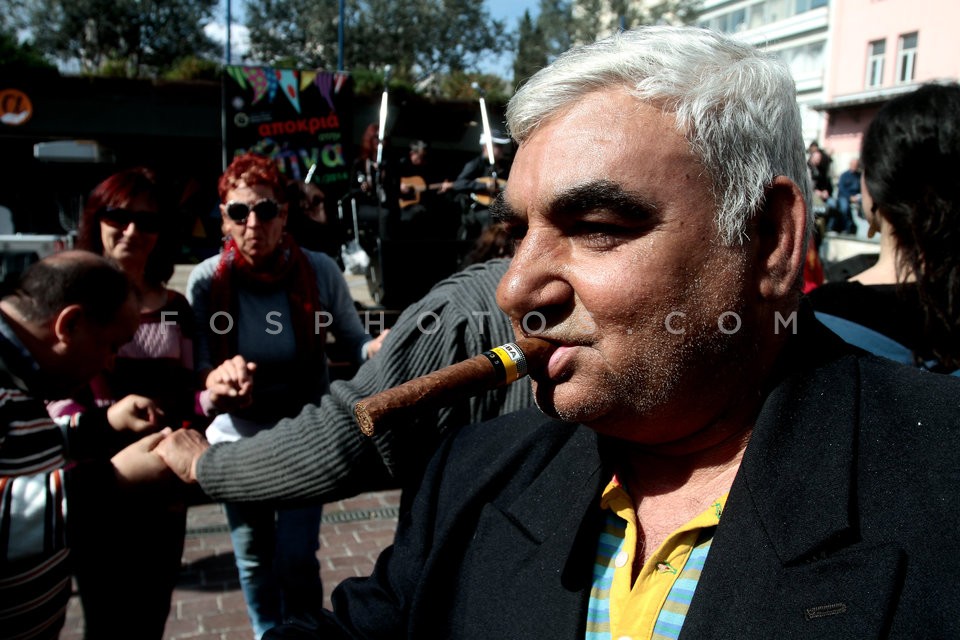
(497,367)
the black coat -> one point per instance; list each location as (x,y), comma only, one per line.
(843,521)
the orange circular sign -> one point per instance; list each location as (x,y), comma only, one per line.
(15,107)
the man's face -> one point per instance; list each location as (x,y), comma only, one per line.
(93,347)
(620,263)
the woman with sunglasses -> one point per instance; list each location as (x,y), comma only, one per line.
(262,308)
(128,555)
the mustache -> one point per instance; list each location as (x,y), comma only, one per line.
(572,330)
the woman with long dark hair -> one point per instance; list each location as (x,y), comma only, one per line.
(911,196)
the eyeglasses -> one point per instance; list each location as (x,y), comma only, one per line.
(266,211)
(145,221)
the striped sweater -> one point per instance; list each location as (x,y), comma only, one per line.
(321,454)
(34,486)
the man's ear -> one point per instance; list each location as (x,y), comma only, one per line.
(66,322)
(781,232)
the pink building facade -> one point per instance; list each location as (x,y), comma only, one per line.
(879,49)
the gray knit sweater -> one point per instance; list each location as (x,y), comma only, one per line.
(321,454)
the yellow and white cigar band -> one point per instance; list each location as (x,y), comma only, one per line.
(508,361)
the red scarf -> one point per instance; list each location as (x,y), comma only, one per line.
(291,271)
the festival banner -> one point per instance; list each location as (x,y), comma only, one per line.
(302,119)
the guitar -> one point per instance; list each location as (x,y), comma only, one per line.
(418,185)
(485,198)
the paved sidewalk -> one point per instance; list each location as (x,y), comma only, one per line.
(207,603)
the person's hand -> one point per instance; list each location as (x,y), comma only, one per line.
(374,346)
(137,414)
(445,186)
(181,450)
(138,463)
(231,384)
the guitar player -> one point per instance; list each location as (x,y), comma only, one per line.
(480,181)
(420,185)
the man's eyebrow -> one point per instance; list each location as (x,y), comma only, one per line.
(591,196)
(602,194)
(500,211)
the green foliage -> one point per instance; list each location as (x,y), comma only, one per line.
(193,68)
(114,69)
(422,40)
(555,22)
(468,86)
(14,55)
(120,37)
(588,21)
(563,23)
(369,82)
(293,33)
(434,47)
(532,50)
(635,14)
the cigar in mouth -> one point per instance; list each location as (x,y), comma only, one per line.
(498,367)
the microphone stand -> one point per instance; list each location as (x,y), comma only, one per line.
(378,179)
(486,133)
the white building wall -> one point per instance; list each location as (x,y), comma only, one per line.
(797,30)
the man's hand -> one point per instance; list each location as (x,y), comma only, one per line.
(181,450)
(138,463)
(134,413)
(374,346)
(231,384)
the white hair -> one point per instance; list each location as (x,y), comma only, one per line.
(735,105)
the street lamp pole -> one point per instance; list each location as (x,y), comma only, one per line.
(339,36)
(227,48)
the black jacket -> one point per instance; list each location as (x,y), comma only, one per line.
(843,521)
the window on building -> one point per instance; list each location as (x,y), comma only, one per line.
(875,53)
(756,15)
(805,60)
(907,58)
(738,20)
(776,10)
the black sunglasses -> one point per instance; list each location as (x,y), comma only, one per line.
(266,211)
(145,221)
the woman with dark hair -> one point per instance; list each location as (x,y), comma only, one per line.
(129,219)
(907,306)
(262,307)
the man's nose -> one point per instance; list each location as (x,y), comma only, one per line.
(533,284)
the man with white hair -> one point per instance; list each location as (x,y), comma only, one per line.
(713,463)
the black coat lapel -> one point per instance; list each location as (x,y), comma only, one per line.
(531,561)
(785,561)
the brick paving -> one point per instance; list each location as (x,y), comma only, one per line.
(207,603)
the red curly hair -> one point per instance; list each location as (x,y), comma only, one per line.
(250,169)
